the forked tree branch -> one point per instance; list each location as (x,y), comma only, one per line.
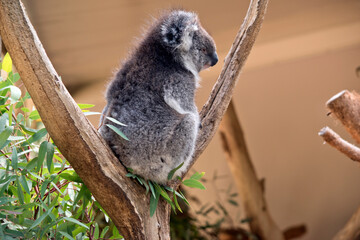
(334,140)
(345,106)
(123,199)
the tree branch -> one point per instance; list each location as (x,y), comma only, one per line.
(243,171)
(346,108)
(334,140)
(352,228)
(76,138)
(123,199)
(220,96)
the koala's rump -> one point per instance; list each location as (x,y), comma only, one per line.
(150,128)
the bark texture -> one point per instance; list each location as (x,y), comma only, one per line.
(249,186)
(334,140)
(123,199)
(351,231)
(345,106)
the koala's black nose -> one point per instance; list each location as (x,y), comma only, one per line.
(214,59)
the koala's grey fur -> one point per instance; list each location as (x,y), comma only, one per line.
(153,94)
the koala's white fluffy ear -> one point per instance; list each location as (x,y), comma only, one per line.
(178,30)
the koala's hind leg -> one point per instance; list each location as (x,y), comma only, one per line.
(182,143)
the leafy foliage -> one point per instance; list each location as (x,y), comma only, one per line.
(41,196)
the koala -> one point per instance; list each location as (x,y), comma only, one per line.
(153,94)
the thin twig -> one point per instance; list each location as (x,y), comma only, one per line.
(334,140)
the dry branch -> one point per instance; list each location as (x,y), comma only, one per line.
(334,140)
(244,174)
(346,107)
(78,140)
(352,228)
(222,91)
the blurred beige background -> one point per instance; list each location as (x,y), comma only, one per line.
(306,52)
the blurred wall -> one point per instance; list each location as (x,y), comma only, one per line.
(306,52)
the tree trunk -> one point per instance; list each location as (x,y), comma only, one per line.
(122,198)
(249,186)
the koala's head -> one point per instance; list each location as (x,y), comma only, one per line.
(182,33)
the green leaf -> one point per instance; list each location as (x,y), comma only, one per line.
(19,191)
(96,232)
(10,112)
(65,234)
(14,159)
(44,186)
(49,157)
(25,109)
(34,115)
(7,63)
(47,227)
(15,94)
(4,135)
(116,121)
(84,106)
(3,119)
(4,200)
(27,130)
(30,166)
(115,129)
(41,154)
(16,77)
(176,202)
(154,202)
(71,177)
(24,184)
(75,221)
(37,136)
(197,176)
(233,202)
(152,189)
(193,183)
(145,184)
(172,172)
(104,231)
(116,234)
(79,195)
(164,194)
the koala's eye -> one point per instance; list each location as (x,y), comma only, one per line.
(203,50)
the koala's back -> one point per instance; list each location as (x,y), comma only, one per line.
(136,98)
(153,94)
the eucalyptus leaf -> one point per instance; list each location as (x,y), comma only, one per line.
(172,172)
(4,135)
(75,221)
(14,159)
(24,184)
(193,183)
(115,129)
(37,136)
(84,106)
(197,176)
(154,202)
(116,121)
(34,115)
(7,63)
